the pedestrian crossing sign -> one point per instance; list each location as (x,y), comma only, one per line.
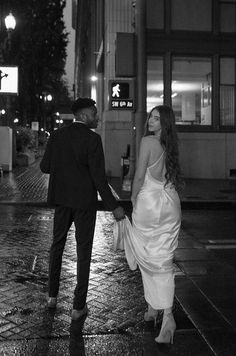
(121,95)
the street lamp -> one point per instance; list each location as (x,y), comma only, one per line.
(94,78)
(10,22)
(5,57)
(5,46)
(46,101)
(48,97)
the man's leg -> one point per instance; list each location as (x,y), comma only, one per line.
(63,218)
(85,224)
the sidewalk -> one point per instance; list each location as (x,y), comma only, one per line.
(205,302)
(197,193)
(28,184)
(115,325)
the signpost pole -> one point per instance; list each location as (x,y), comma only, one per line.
(8,110)
(132,149)
(140,26)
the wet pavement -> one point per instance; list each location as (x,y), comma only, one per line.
(29,185)
(205,302)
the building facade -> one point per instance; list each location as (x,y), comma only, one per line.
(178,52)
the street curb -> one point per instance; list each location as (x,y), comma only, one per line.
(127,205)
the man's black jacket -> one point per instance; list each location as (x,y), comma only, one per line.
(74,159)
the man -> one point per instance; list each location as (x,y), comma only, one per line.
(74,159)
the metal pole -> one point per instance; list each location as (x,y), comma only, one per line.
(8,98)
(128,179)
(141,94)
(132,149)
(139,117)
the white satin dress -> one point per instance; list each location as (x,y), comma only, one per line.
(152,238)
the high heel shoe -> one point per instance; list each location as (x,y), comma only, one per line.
(168,327)
(151,315)
(52,302)
(78,313)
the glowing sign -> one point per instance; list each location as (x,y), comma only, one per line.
(8,80)
(121,93)
(35,125)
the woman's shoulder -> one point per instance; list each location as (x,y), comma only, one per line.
(150,141)
(152,145)
(148,138)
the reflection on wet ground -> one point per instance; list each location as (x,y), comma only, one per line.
(24,264)
(27,184)
(115,296)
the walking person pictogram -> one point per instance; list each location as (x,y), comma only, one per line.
(116,91)
(2,75)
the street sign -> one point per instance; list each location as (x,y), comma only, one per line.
(8,80)
(121,95)
(35,125)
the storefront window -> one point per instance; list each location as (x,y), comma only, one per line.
(155,14)
(191,15)
(191,90)
(228,16)
(227,91)
(154,82)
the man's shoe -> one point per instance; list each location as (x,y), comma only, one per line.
(78,313)
(52,302)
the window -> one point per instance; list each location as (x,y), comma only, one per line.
(228,16)
(227,91)
(191,15)
(154,82)
(155,14)
(191,90)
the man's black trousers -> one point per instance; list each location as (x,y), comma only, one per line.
(84,221)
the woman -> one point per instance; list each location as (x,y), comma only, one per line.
(152,239)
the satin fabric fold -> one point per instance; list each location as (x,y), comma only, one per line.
(151,239)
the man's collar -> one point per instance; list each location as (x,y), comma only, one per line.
(80,122)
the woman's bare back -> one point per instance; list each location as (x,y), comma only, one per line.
(156,164)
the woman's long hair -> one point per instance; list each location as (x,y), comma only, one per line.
(169,141)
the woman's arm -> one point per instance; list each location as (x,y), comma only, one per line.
(141,168)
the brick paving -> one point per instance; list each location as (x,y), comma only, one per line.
(24,184)
(23,279)
(115,296)
(28,184)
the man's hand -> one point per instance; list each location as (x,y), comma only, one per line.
(119,213)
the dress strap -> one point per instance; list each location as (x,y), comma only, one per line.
(152,165)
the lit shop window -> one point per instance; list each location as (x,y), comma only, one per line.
(154,82)
(192,90)
(227,91)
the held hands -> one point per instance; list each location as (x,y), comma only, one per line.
(119,213)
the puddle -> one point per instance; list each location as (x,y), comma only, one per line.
(17,310)
(30,277)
